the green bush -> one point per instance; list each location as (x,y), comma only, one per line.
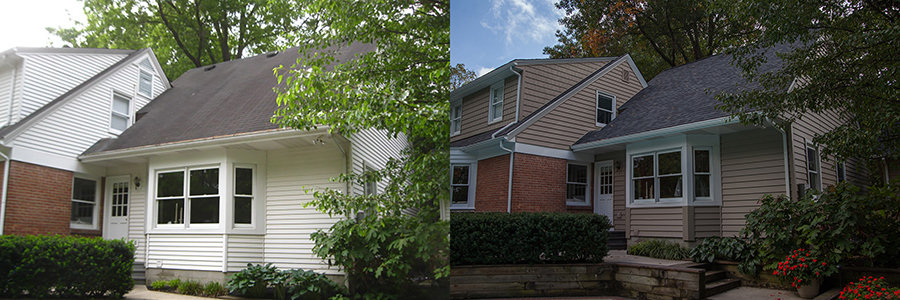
(725,248)
(213,289)
(842,225)
(288,284)
(253,280)
(159,285)
(64,266)
(305,284)
(527,238)
(659,249)
(189,287)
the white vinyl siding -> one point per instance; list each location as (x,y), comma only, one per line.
(373,148)
(7,78)
(202,252)
(244,249)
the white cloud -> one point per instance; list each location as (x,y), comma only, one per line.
(524,21)
(22,23)
(482,70)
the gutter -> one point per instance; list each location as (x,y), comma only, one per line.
(656,133)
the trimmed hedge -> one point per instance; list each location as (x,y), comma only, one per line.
(64,266)
(527,238)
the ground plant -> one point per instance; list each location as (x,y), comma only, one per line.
(726,248)
(659,249)
(869,288)
(256,280)
(801,268)
(190,287)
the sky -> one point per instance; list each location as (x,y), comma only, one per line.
(22,22)
(485,34)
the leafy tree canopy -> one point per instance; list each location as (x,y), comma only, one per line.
(659,34)
(185,34)
(401,87)
(844,62)
(459,76)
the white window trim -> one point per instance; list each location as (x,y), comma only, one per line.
(455,123)
(137,87)
(818,166)
(130,116)
(94,219)
(685,144)
(587,184)
(491,103)
(185,195)
(473,172)
(694,173)
(253,197)
(597,107)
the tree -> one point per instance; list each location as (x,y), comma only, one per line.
(399,87)
(186,34)
(844,61)
(659,34)
(459,76)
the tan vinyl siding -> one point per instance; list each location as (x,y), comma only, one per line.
(542,83)
(661,222)
(474,119)
(752,166)
(618,187)
(806,129)
(707,221)
(568,122)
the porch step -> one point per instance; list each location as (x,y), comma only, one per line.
(138,273)
(617,241)
(720,286)
(713,276)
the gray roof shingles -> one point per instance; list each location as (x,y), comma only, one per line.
(235,97)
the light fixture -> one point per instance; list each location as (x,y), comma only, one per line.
(319,140)
(137,182)
(618,165)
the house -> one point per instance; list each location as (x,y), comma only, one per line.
(657,158)
(204,183)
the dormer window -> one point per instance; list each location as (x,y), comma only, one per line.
(495,111)
(455,118)
(606,108)
(120,117)
(145,83)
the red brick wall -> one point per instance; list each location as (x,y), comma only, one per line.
(491,188)
(539,184)
(39,201)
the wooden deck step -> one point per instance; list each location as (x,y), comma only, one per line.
(712,276)
(720,286)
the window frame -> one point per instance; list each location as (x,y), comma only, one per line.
(129,119)
(186,197)
(597,110)
(96,211)
(685,144)
(694,173)
(840,170)
(587,184)
(252,197)
(455,122)
(817,172)
(367,189)
(470,198)
(142,70)
(491,103)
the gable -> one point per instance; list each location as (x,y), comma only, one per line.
(541,83)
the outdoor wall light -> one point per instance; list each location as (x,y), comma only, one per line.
(137,182)
(618,165)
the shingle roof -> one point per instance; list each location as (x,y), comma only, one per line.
(233,97)
(682,95)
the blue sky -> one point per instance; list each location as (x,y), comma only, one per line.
(485,34)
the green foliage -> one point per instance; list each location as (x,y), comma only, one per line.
(159,285)
(64,266)
(802,268)
(844,61)
(189,287)
(304,284)
(659,249)
(288,284)
(253,280)
(842,226)
(527,238)
(213,289)
(186,34)
(657,34)
(401,88)
(727,248)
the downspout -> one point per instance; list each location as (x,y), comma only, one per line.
(511,158)
(518,89)
(3,194)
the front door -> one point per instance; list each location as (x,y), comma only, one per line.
(603,182)
(116,216)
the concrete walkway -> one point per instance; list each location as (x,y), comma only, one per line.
(623,256)
(140,291)
(745,292)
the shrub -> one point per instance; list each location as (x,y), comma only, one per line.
(726,248)
(64,266)
(869,288)
(659,249)
(189,287)
(305,284)
(287,284)
(800,268)
(842,226)
(213,289)
(159,285)
(253,280)
(527,238)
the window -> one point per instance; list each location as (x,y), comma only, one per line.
(841,171)
(812,168)
(145,83)
(371,186)
(576,184)
(606,108)
(84,202)
(495,112)
(243,195)
(202,189)
(459,185)
(657,176)
(701,174)
(455,118)
(121,112)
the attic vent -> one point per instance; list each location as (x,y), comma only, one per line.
(209,68)
(270,54)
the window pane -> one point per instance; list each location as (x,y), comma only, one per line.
(82,213)
(84,189)
(643,189)
(205,210)
(604,102)
(460,175)
(243,181)
(701,161)
(643,166)
(170,184)
(812,159)
(498,111)
(170,211)
(669,163)
(204,182)
(146,83)
(670,187)
(604,117)
(841,173)
(701,186)
(243,208)
(813,181)
(118,122)
(120,105)
(459,195)
(576,192)
(577,173)
(496,96)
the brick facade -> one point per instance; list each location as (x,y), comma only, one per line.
(491,187)
(539,185)
(39,201)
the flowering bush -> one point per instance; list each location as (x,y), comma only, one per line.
(869,288)
(802,268)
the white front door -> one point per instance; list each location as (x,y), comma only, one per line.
(116,217)
(603,181)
